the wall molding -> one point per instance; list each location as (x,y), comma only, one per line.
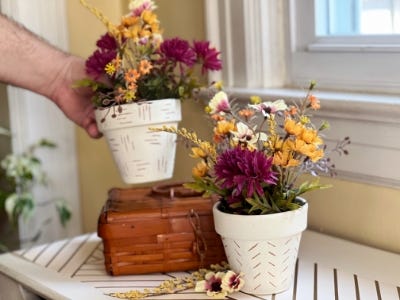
(371,121)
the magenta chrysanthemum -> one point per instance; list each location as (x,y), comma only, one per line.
(207,56)
(107,43)
(105,53)
(178,50)
(244,171)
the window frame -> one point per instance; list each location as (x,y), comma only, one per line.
(251,66)
(325,58)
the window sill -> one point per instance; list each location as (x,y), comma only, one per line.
(372,121)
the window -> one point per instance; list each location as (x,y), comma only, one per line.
(357,17)
(274,48)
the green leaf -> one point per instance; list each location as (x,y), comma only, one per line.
(47,143)
(258,206)
(195,186)
(64,213)
(310,186)
(4,131)
(19,205)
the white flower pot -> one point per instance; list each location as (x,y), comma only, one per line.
(263,247)
(141,155)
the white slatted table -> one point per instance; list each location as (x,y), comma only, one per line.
(328,269)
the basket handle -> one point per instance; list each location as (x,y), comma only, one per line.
(173,190)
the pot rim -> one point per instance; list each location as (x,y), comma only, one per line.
(304,205)
(256,227)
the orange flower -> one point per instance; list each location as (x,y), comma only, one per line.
(246,113)
(132,75)
(292,110)
(314,102)
(132,86)
(217,117)
(145,67)
(129,21)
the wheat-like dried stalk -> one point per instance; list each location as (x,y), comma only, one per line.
(192,137)
(110,26)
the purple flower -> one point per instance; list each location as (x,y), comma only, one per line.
(107,42)
(105,53)
(232,282)
(244,171)
(212,285)
(208,56)
(178,50)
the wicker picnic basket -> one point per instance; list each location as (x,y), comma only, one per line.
(160,229)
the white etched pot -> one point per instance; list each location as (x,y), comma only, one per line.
(263,247)
(141,155)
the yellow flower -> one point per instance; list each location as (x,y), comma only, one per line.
(218,85)
(129,96)
(285,159)
(316,155)
(305,120)
(198,152)
(310,136)
(309,150)
(223,128)
(200,170)
(275,143)
(255,99)
(149,17)
(292,127)
(110,69)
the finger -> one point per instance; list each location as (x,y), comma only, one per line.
(93,131)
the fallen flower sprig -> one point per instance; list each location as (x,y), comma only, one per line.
(217,281)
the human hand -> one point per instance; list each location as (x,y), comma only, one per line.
(75,102)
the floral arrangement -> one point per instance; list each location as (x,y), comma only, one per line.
(259,152)
(217,282)
(132,62)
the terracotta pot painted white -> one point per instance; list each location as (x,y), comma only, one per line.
(263,247)
(141,155)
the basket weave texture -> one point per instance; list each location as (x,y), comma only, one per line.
(160,229)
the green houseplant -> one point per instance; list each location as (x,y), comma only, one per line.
(255,166)
(22,172)
(138,78)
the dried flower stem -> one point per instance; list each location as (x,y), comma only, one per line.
(172,286)
(110,26)
(192,137)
